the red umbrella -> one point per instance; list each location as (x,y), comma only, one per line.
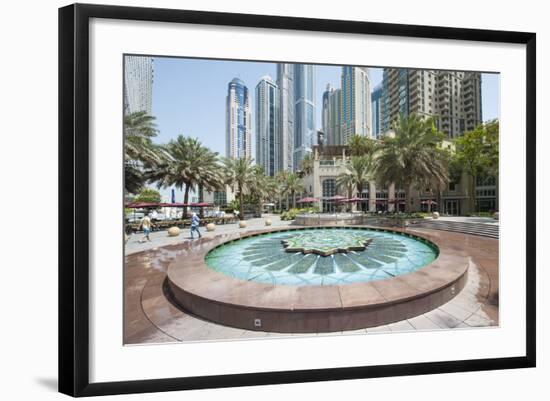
(201,204)
(336,198)
(139,205)
(356,199)
(174,204)
(307,200)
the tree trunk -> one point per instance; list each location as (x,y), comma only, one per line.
(201,199)
(360,195)
(241,206)
(185,201)
(473,195)
(293,200)
(407,190)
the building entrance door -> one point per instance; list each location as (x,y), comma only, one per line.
(452,207)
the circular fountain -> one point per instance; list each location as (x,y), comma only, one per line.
(315,279)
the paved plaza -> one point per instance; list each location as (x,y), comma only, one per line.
(150,316)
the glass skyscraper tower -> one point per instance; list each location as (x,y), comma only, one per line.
(356,103)
(285,82)
(138,84)
(268,143)
(238,120)
(304,111)
(376,98)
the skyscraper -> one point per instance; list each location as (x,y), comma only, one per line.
(332,110)
(304,112)
(238,121)
(285,83)
(356,103)
(452,98)
(138,84)
(325,111)
(376,108)
(268,143)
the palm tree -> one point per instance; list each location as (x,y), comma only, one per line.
(139,150)
(413,156)
(291,186)
(346,181)
(358,172)
(306,165)
(361,145)
(280,179)
(188,164)
(241,173)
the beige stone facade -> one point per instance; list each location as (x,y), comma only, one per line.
(330,161)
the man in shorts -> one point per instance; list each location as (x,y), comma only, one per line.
(146,226)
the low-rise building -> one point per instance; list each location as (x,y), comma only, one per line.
(331,161)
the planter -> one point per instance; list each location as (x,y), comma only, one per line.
(268,222)
(173,231)
(210,227)
(435,215)
(495,215)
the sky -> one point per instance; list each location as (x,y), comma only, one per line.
(189,96)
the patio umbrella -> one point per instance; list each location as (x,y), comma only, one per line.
(355,199)
(201,204)
(335,198)
(429,202)
(306,200)
(141,205)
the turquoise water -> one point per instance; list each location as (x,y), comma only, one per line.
(263,258)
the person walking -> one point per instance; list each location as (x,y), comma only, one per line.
(195,221)
(146,226)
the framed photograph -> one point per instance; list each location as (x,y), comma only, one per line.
(252,199)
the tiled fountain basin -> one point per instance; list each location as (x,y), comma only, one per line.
(309,309)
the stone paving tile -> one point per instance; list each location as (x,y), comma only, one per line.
(360,331)
(379,329)
(161,238)
(253,334)
(423,323)
(478,321)
(442,319)
(142,268)
(467,302)
(456,311)
(403,325)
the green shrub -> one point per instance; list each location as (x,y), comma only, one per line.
(406,216)
(292,213)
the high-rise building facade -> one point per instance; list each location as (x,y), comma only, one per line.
(304,112)
(356,103)
(325,111)
(268,143)
(376,108)
(238,120)
(452,98)
(285,83)
(138,84)
(332,113)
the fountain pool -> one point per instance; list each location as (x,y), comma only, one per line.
(324,256)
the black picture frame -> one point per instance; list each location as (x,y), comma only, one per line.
(74,198)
